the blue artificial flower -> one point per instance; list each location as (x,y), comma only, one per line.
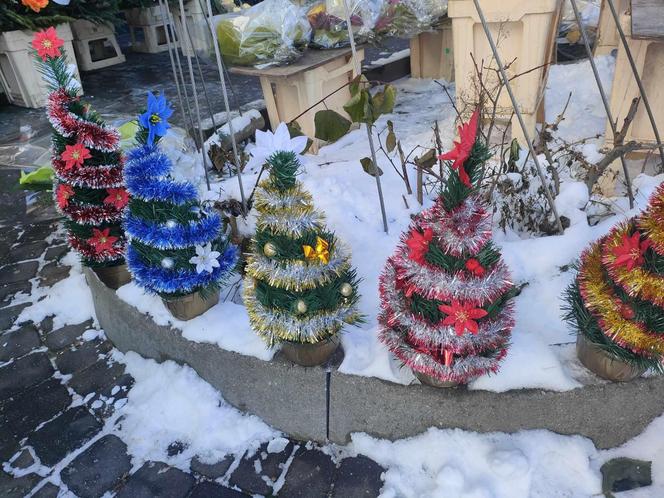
(155,119)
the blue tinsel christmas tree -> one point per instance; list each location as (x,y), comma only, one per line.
(177,245)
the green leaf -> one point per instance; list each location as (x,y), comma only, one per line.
(369,168)
(428,160)
(383,101)
(330,125)
(391,141)
(358,107)
(358,82)
(128,130)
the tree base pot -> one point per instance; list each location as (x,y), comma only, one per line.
(191,305)
(432,381)
(113,277)
(310,355)
(602,364)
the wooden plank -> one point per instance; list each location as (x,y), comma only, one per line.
(310,60)
(647,19)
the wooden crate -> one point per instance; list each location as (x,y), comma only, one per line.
(525,33)
(290,90)
(607,33)
(95,45)
(432,54)
(20,78)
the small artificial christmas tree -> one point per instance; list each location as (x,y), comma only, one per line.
(177,246)
(446,294)
(87,162)
(616,302)
(300,286)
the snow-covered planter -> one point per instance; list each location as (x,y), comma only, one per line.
(19,75)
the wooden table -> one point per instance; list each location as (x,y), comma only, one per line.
(290,90)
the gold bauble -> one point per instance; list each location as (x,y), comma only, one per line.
(346,290)
(269,249)
(301,307)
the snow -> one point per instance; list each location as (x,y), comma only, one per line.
(170,403)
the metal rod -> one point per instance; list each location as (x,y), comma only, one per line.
(229,118)
(358,70)
(185,32)
(165,21)
(605,100)
(517,111)
(635,71)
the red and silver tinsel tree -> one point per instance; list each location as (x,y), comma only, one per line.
(87,162)
(446,293)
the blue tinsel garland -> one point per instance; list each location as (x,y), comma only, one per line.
(180,236)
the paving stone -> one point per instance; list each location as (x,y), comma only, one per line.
(9,315)
(81,357)
(37,232)
(62,435)
(56,252)
(358,477)
(48,490)
(9,443)
(310,475)
(98,469)
(270,465)
(102,404)
(18,343)
(8,291)
(23,460)
(17,487)
(24,412)
(214,470)
(65,336)
(46,325)
(18,272)
(157,479)
(209,489)
(624,474)
(26,251)
(96,377)
(24,373)
(52,273)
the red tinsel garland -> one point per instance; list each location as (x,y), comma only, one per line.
(95,177)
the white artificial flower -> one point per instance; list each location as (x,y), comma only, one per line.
(205,259)
(267,143)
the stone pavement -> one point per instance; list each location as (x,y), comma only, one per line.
(59,389)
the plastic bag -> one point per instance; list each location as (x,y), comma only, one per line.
(328,22)
(408,18)
(271,33)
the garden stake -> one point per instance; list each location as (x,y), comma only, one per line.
(166,22)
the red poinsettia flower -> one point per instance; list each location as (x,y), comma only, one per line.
(462,316)
(474,267)
(630,253)
(463,148)
(418,243)
(47,44)
(63,194)
(118,197)
(75,155)
(102,240)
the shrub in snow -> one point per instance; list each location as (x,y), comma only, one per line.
(446,293)
(300,286)
(87,161)
(177,245)
(617,299)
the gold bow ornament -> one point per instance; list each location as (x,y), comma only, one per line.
(321,252)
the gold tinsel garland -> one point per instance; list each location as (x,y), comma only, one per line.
(600,300)
(637,282)
(652,221)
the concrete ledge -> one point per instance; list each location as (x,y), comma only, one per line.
(293,399)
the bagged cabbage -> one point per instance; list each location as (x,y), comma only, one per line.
(270,33)
(408,18)
(328,22)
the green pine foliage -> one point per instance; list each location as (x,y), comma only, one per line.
(14,15)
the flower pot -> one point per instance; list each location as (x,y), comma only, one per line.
(310,355)
(602,364)
(191,305)
(432,381)
(19,74)
(113,277)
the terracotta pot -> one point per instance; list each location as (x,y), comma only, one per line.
(310,355)
(191,305)
(114,277)
(429,380)
(602,364)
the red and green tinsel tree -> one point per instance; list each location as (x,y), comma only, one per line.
(617,299)
(446,293)
(87,162)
